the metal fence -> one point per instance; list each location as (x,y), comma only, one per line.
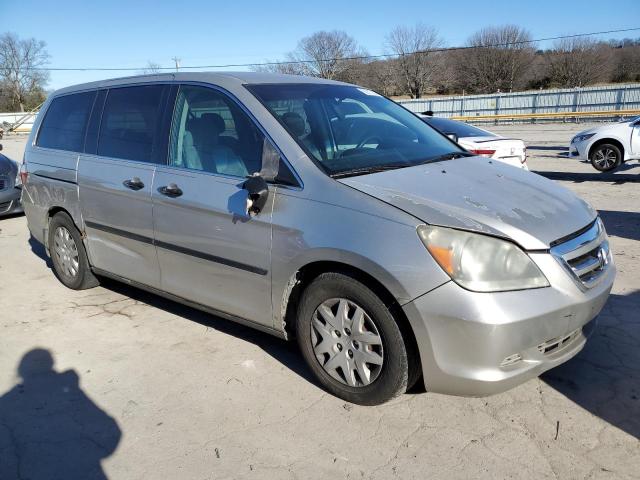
(606,97)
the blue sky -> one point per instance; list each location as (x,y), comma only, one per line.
(115,33)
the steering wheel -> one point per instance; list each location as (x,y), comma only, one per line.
(368,139)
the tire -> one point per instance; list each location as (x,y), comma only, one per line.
(606,157)
(370,381)
(69,258)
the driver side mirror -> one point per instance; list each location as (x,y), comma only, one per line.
(257,194)
(452,136)
(256,185)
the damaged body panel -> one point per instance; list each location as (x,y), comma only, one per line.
(483,196)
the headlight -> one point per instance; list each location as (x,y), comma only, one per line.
(582,138)
(18,181)
(479,262)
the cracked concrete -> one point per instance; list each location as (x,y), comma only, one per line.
(194,396)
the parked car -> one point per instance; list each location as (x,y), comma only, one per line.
(608,146)
(387,250)
(481,142)
(10,186)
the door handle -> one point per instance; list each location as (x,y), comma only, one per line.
(134,183)
(171,190)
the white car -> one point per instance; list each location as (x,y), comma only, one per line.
(481,142)
(607,146)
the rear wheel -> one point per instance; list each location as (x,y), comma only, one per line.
(70,263)
(606,157)
(351,341)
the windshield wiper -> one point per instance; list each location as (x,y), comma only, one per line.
(446,156)
(371,169)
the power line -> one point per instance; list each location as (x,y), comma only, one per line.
(357,57)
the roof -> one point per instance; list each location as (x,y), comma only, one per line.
(217,78)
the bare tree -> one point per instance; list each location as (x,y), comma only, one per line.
(286,67)
(20,63)
(576,62)
(322,54)
(416,63)
(626,63)
(152,67)
(378,75)
(497,59)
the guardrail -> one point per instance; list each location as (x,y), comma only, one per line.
(550,115)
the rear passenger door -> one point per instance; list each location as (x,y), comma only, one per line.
(210,251)
(115,180)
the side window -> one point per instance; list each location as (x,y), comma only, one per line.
(65,122)
(211,133)
(130,122)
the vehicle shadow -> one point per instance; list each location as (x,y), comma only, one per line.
(604,378)
(621,224)
(548,147)
(38,249)
(12,215)
(50,428)
(285,352)
(579,177)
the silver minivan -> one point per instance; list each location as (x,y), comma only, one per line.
(320,211)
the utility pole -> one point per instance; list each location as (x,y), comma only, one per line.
(177,61)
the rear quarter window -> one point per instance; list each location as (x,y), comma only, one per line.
(65,122)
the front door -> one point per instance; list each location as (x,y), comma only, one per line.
(115,184)
(210,251)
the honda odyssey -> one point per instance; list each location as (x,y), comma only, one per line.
(320,211)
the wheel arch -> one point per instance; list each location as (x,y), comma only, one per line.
(303,277)
(610,140)
(51,212)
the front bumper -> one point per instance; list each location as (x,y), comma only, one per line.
(579,150)
(477,344)
(10,201)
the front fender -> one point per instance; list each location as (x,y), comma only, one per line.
(391,252)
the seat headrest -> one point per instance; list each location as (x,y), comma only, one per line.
(213,123)
(294,122)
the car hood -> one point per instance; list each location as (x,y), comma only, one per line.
(607,127)
(477,194)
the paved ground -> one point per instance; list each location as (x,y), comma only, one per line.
(146,388)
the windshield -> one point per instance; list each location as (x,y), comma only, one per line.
(351,130)
(461,129)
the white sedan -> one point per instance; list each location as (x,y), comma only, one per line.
(607,146)
(481,142)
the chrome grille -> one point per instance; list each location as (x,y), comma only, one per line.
(585,256)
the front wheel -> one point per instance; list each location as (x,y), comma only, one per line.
(351,341)
(606,157)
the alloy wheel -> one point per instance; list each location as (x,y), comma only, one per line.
(605,158)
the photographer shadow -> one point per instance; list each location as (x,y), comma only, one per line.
(49,428)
